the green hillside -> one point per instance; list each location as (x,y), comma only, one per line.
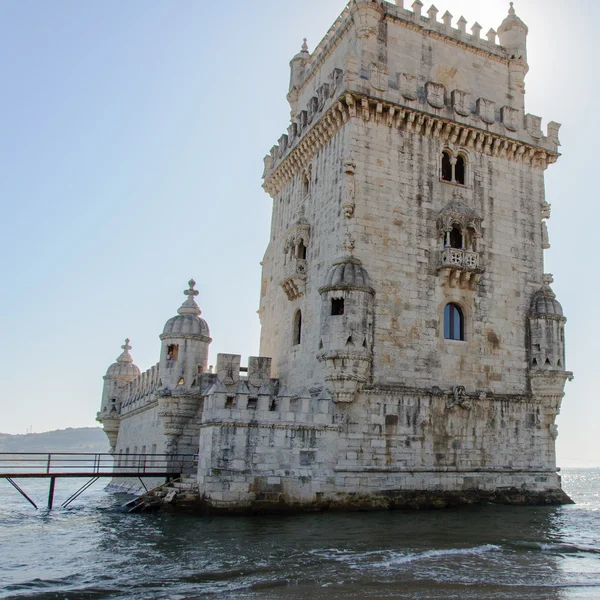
(83,439)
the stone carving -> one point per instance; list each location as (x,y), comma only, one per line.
(322,95)
(546,209)
(313,108)
(461,102)
(545,236)
(533,125)
(509,118)
(228,368)
(336,79)
(378,76)
(408,86)
(552,130)
(553,431)
(349,188)
(458,398)
(435,94)
(486,109)
(259,370)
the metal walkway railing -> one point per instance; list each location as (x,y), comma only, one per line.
(52,465)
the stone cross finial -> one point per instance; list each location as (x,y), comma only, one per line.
(125,356)
(191,291)
(189,307)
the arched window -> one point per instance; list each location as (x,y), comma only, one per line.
(454,323)
(297,328)
(301,250)
(446,166)
(460,169)
(456,238)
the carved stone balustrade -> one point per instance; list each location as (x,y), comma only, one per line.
(462,267)
(295,278)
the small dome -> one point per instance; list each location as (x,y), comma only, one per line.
(347,272)
(124,367)
(510,21)
(188,318)
(191,324)
(544,302)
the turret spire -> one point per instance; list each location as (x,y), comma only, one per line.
(189,307)
(125,356)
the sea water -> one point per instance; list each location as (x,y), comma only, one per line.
(94,549)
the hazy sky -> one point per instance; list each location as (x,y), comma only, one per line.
(131,148)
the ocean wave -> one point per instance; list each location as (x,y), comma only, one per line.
(390,558)
(555,547)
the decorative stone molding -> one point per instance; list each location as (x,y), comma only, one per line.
(349,188)
(408,86)
(378,77)
(509,117)
(486,109)
(459,399)
(434,93)
(400,117)
(461,102)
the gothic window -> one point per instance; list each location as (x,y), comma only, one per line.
(454,326)
(456,238)
(301,251)
(337,306)
(459,169)
(454,167)
(297,328)
(172,351)
(446,166)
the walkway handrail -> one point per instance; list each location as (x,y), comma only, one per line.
(55,463)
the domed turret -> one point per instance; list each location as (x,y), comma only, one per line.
(347,273)
(547,330)
(512,34)
(124,367)
(118,375)
(346,345)
(297,71)
(185,340)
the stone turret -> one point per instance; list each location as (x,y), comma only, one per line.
(185,341)
(547,344)
(346,346)
(297,71)
(118,376)
(512,34)
(547,330)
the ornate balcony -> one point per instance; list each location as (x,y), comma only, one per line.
(295,278)
(463,267)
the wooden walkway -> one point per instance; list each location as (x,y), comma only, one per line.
(55,465)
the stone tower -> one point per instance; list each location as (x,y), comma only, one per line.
(412,350)
(418,177)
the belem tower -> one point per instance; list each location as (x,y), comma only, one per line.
(412,350)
